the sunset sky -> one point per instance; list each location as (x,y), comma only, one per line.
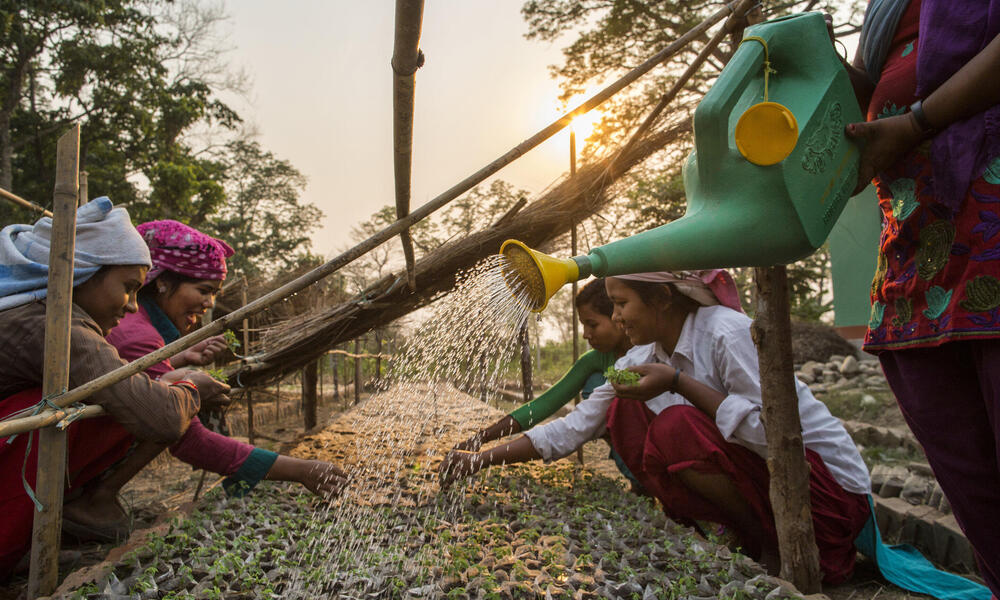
(322,99)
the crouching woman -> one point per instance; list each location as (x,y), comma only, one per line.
(690,430)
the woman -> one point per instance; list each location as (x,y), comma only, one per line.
(926,73)
(188,268)
(690,430)
(608,343)
(109,266)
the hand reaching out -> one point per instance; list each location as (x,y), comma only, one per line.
(202,353)
(458,464)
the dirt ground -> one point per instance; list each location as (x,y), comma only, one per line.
(169,484)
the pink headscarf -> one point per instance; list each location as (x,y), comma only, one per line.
(708,288)
(185,250)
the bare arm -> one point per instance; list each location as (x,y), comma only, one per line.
(502,428)
(460,463)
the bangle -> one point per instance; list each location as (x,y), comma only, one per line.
(677,380)
(186,383)
(920,118)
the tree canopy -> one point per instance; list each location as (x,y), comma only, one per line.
(143,78)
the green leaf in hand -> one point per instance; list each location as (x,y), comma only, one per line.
(622,376)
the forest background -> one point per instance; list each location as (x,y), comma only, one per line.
(147,78)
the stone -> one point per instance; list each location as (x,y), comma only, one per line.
(950,540)
(918,527)
(915,489)
(868,400)
(804,377)
(890,514)
(849,366)
(812,368)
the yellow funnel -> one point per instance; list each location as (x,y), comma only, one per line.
(535,276)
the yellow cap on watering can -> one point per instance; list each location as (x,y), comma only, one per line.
(535,276)
(766,132)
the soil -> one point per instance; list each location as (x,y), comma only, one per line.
(168,484)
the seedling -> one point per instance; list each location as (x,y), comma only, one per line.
(219,374)
(622,376)
(231,341)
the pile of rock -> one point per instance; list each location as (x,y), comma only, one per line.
(841,372)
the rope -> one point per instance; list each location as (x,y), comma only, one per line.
(34,410)
(767,60)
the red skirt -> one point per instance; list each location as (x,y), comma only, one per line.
(92,446)
(682,437)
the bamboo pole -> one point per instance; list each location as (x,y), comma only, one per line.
(84,189)
(357,370)
(572,252)
(345,258)
(406,59)
(246,352)
(527,387)
(308,386)
(46,528)
(22,202)
(789,486)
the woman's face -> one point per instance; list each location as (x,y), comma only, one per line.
(185,304)
(109,294)
(600,331)
(640,321)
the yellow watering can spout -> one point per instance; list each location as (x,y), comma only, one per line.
(535,276)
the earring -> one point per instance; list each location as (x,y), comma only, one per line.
(162,289)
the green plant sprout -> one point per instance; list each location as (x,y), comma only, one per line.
(231,341)
(622,376)
(219,374)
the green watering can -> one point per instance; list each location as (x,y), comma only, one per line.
(771,171)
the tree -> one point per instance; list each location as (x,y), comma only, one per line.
(263,218)
(131,75)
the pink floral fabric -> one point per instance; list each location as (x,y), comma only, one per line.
(177,247)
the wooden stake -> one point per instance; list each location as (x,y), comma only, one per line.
(47,526)
(357,371)
(309,396)
(84,197)
(406,59)
(786,461)
(526,382)
(246,352)
(572,252)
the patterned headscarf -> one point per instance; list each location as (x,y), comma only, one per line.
(708,288)
(185,250)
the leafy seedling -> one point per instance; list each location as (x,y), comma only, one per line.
(231,341)
(219,374)
(622,376)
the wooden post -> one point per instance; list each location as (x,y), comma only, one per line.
(309,396)
(572,252)
(334,359)
(526,384)
(378,355)
(84,197)
(319,368)
(47,525)
(357,370)
(406,59)
(246,352)
(786,461)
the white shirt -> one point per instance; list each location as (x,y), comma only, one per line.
(715,348)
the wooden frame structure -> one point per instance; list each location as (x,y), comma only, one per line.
(799,564)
